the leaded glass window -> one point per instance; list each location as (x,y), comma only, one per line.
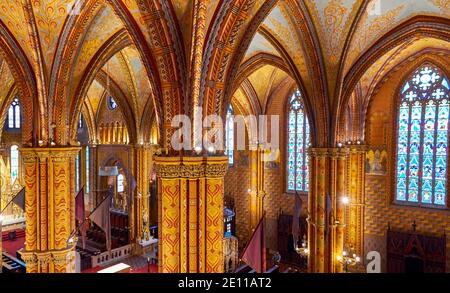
(14,119)
(298,142)
(229,136)
(422,140)
(14,163)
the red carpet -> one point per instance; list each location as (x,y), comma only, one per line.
(11,247)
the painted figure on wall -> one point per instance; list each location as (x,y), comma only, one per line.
(376,162)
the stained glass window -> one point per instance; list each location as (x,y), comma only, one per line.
(112,103)
(298,142)
(422,140)
(14,119)
(229,136)
(14,163)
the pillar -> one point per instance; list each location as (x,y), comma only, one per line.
(337,221)
(325,208)
(190,220)
(144,154)
(49,175)
(257,192)
(317,209)
(355,190)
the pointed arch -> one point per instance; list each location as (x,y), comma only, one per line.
(111,47)
(435,27)
(122,102)
(25,80)
(221,48)
(422,137)
(159,56)
(75,27)
(298,140)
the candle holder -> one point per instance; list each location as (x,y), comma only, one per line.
(348,259)
(303,249)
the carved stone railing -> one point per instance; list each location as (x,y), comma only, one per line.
(116,255)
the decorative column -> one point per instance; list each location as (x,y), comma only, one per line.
(50,208)
(336,221)
(190,220)
(257,192)
(325,208)
(144,154)
(355,190)
(317,209)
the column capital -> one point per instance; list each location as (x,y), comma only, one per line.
(60,257)
(357,149)
(191,167)
(29,257)
(45,152)
(318,152)
(339,153)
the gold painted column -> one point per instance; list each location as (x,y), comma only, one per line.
(336,221)
(144,154)
(257,192)
(355,190)
(50,208)
(317,209)
(190,220)
(325,208)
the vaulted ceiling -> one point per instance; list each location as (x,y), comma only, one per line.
(145,48)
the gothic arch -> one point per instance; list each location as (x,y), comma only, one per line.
(256,62)
(159,57)
(218,57)
(123,103)
(25,81)
(74,29)
(408,68)
(12,93)
(111,47)
(417,26)
(161,64)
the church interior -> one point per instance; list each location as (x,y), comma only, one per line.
(90,92)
